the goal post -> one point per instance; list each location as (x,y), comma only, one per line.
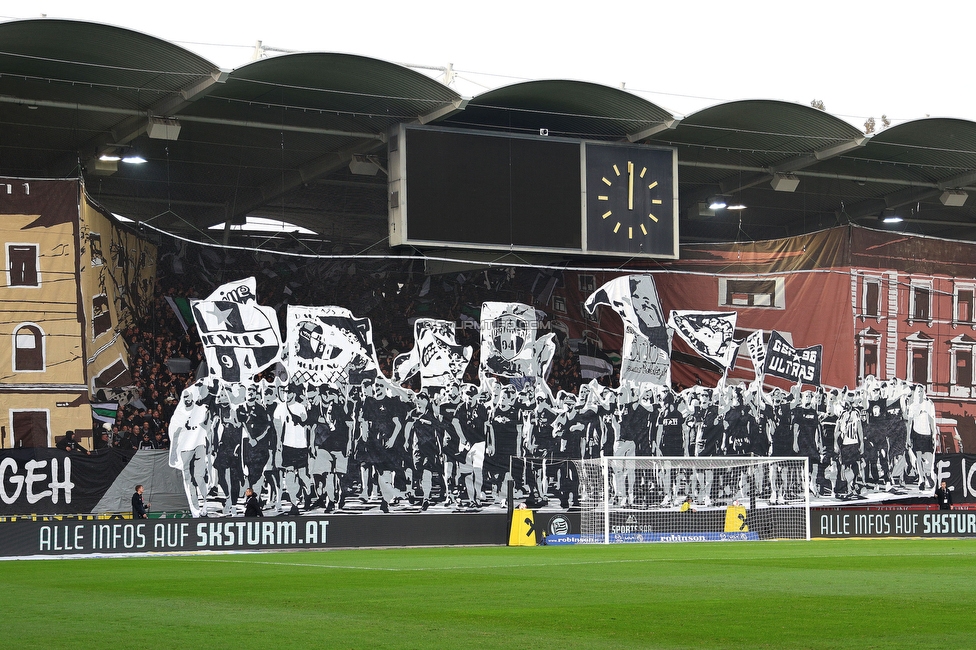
(665,499)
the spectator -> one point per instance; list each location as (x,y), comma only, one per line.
(69,444)
(140,509)
(102,441)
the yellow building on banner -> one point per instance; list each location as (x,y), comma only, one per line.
(73,279)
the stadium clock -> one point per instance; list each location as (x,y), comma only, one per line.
(629,199)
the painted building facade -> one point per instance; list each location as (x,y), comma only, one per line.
(73,277)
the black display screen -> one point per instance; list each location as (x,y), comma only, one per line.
(475,189)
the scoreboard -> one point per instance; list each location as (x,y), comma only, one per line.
(502,191)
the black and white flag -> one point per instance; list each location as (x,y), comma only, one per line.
(436,355)
(593,361)
(646,354)
(709,333)
(328,345)
(240,291)
(508,343)
(795,364)
(757,352)
(545,350)
(239,339)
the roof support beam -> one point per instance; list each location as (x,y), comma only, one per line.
(914,194)
(943,185)
(666,125)
(128,130)
(800,162)
(294,178)
(74,106)
(897,199)
(282,127)
(137,121)
(143,117)
(203,86)
(791,165)
(444,111)
(958,181)
(297,177)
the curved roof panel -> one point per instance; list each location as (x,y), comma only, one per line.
(566,108)
(117,64)
(937,147)
(332,91)
(760,132)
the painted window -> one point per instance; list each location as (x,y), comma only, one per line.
(28,348)
(22,265)
(767,293)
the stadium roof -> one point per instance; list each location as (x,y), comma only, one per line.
(275,138)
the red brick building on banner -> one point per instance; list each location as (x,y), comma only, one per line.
(881,303)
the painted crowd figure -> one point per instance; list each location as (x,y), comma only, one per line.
(378,446)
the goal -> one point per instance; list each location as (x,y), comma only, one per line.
(661,499)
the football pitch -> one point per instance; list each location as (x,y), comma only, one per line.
(819,594)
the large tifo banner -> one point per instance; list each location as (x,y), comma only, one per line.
(313,426)
(50,481)
(328,431)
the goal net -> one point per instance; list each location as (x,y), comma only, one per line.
(660,499)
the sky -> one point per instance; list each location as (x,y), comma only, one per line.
(862,59)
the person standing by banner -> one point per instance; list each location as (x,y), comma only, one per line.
(140,509)
(943,497)
(252,506)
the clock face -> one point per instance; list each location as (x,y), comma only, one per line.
(630,200)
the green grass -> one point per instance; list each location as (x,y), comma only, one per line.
(821,594)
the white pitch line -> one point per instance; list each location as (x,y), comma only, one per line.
(507,565)
(558,564)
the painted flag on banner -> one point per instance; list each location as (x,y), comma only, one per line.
(105,411)
(239,339)
(545,350)
(646,353)
(435,355)
(508,341)
(795,364)
(634,298)
(757,352)
(709,333)
(593,362)
(328,345)
(181,307)
(241,291)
